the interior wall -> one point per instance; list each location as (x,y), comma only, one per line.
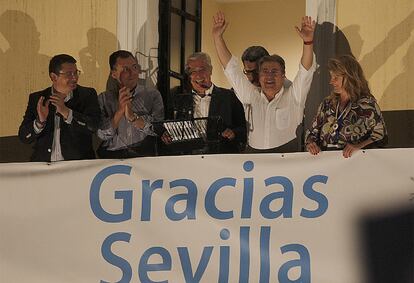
(137,31)
(209,9)
(380,33)
(381,36)
(267,23)
(31,32)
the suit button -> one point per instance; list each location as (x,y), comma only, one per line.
(49,150)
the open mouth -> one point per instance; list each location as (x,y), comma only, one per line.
(270,83)
(202,83)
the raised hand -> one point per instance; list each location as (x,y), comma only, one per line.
(219,24)
(129,114)
(123,99)
(58,99)
(42,109)
(307,29)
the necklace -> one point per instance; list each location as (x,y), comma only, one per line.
(344,112)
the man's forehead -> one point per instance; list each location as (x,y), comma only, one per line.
(67,66)
(271,65)
(197,63)
(129,61)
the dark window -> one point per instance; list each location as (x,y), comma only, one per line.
(180,36)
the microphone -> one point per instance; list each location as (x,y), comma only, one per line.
(204,85)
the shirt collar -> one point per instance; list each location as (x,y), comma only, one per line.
(277,95)
(209,91)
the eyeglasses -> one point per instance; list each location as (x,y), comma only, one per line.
(273,72)
(70,74)
(250,72)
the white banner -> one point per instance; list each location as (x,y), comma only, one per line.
(229,218)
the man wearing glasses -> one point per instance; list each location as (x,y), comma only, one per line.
(61,119)
(128,111)
(250,58)
(277,106)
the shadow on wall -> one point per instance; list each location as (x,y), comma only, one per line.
(23,70)
(329,42)
(94,58)
(377,57)
(396,95)
(148,59)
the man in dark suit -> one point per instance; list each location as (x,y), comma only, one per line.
(61,119)
(209,101)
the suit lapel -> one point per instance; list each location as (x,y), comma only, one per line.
(214,104)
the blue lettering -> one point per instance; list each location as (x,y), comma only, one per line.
(126,196)
(247,191)
(147,190)
(286,196)
(303,262)
(264,254)
(224,263)
(114,259)
(191,199)
(316,196)
(186,264)
(210,201)
(144,267)
(244,255)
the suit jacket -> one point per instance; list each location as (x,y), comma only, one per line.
(225,105)
(75,138)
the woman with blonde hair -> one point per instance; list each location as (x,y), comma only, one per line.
(349,118)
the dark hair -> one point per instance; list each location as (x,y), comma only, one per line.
(254,53)
(118,54)
(272,58)
(55,64)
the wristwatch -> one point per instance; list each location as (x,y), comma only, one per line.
(133,119)
(40,124)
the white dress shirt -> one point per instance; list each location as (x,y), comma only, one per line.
(202,104)
(56,152)
(273,123)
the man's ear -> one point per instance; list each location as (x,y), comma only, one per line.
(113,75)
(53,77)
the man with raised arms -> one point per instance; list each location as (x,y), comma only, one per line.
(277,107)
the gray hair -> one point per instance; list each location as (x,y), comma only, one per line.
(198,56)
